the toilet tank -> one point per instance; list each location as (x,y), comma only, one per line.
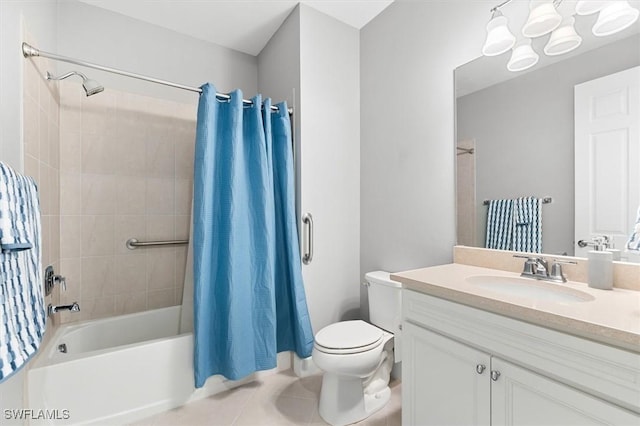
(385,301)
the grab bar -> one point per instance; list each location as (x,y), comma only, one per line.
(133,243)
(307,257)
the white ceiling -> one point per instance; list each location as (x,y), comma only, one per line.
(244,25)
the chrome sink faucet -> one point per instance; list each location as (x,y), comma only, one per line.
(542,268)
(538,268)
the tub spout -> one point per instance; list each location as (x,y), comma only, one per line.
(74,307)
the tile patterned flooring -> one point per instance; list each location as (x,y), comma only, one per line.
(279,399)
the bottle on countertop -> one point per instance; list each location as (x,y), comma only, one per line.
(600,264)
(611,246)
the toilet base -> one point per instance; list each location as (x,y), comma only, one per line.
(343,400)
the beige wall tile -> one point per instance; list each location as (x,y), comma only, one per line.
(32,167)
(184,160)
(130,195)
(54,244)
(160,228)
(184,189)
(45,189)
(128,303)
(160,156)
(119,164)
(46,241)
(71,269)
(70,194)
(97,235)
(70,112)
(44,134)
(71,236)
(161,269)
(54,199)
(98,113)
(160,196)
(98,277)
(130,152)
(98,194)
(41,154)
(127,227)
(99,154)
(131,273)
(160,299)
(70,152)
(182,226)
(31,79)
(31,129)
(96,308)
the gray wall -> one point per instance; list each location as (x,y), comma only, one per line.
(279,75)
(320,75)
(408,54)
(107,38)
(524,132)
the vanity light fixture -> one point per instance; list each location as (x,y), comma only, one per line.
(613,16)
(523,56)
(543,18)
(563,39)
(587,7)
(499,38)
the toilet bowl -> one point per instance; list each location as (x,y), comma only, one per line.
(357,357)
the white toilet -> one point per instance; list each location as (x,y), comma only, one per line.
(357,357)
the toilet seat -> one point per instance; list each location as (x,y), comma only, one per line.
(348,337)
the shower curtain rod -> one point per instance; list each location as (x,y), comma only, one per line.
(30,51)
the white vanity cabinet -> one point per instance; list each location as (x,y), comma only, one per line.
(465,366)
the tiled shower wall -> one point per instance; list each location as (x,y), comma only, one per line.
(126,169)
(41,106)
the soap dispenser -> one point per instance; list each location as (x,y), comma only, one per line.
(611,246)
(600,265)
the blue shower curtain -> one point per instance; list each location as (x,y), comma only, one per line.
(249,300)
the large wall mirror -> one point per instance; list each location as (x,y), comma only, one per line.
(515,138)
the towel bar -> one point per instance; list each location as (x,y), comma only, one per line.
(545,200)
(133,243)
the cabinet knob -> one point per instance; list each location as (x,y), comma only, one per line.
(480,368)
(494,375)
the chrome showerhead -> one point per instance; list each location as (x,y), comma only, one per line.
(91,87)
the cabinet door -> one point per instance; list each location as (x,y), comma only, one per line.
(521,397)
(441,385)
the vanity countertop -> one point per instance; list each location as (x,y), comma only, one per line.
(612,317)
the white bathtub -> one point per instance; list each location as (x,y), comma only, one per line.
(117,370)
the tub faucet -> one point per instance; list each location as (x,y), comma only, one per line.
(51,309)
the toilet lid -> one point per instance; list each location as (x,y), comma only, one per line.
(348,335)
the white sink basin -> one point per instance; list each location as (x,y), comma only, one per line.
(529,288)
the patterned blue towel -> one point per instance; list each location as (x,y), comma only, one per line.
(22,313)
(499,224)
(527,232)
(515,225)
